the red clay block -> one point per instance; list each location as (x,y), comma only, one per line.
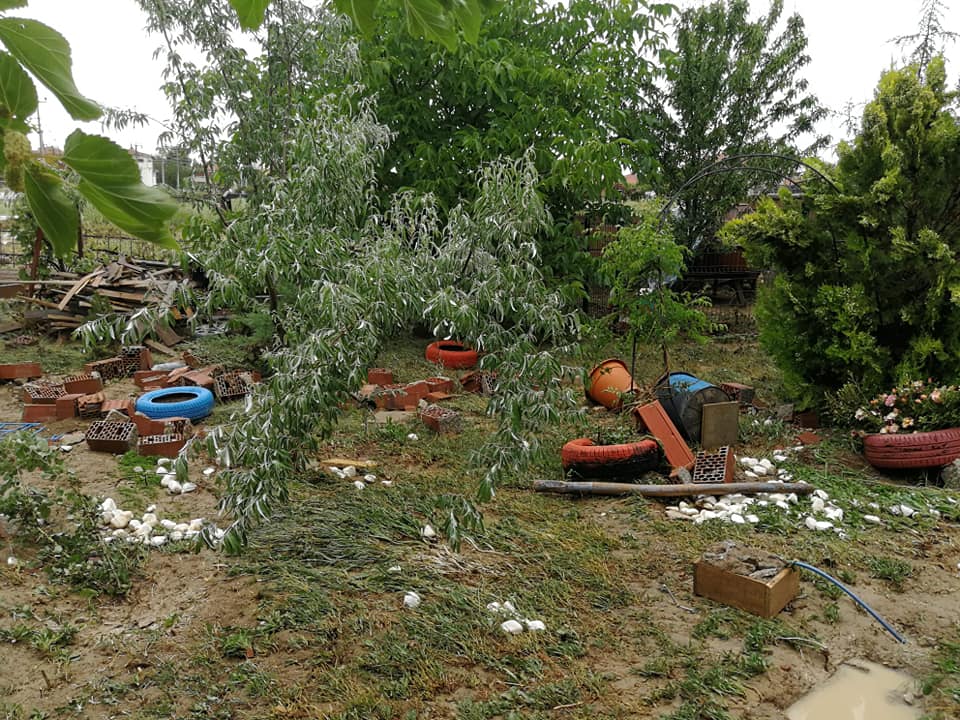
(14,371)
(147,426)
(440,384)
(658,424)
(67,406)
(142,378)
(379,376)
(161,445)
(199,378)
(417,390)
(39,413)
(84,384)
(42,394)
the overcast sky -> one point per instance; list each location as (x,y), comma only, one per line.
(113,64)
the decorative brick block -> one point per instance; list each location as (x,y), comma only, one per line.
(714,467)
(136,357)
(416,391)
(234,385)
(109,369)
(112,437)
(83,384)
(440,419)
(42,393)
(167,445)
(17,371)
(88,406)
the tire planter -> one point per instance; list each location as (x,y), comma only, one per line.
(582,458)
(451,354)
(914,451)
(192,403)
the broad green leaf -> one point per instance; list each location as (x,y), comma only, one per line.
(250,12)
(110,180)
(430,19)
(55,212)
(99,160)
(17,91)
(46,53)
(361,11)
(12,4)
(469,15)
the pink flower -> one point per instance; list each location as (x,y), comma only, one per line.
(890,400)
(935,397)
(894,428)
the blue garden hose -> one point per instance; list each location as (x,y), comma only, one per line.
(861,603)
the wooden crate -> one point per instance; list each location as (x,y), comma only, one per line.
(765,598)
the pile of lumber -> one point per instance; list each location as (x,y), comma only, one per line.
(63,301)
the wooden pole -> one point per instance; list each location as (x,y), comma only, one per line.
(609,488)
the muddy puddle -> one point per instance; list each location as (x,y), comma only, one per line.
(859,690)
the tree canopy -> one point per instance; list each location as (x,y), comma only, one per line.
(732,85)
(867,281)
(562,79)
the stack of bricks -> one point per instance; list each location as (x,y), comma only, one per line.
(85,384)
(386,394)
(89,406)
(714,467)
(205,377)
(112,437)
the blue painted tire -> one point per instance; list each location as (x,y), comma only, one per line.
(198,405)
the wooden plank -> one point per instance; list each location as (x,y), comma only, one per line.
(10,327)
(160,348)
(77,288)
(719,425)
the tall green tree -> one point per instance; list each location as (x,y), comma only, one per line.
(732,86)
(562,79)
(867,280)
(342,275)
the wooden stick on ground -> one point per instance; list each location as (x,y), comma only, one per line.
(609,488)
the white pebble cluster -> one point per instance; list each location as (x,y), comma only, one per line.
(168,479)
(351,473)
(149,529)
(516,624)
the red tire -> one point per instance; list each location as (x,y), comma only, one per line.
(451,354)
(916,450)
(584,459)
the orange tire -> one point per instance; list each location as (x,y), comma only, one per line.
(581,457)
(451,354)
(913,451)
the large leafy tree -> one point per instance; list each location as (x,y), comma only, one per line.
(560,78)
(867,281)
(732,86)
(341,275)
(108,175)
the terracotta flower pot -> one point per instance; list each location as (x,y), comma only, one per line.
(609,382)
(912,451)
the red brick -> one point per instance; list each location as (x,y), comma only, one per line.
(39,413)
(147,426)
(174,377)
(83,384)
(379,376)
(67,406)
(199,378)
(14,371)
(118,405)
(161,445)
(440,384)
(658,424)
(151,377)
(417,390)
